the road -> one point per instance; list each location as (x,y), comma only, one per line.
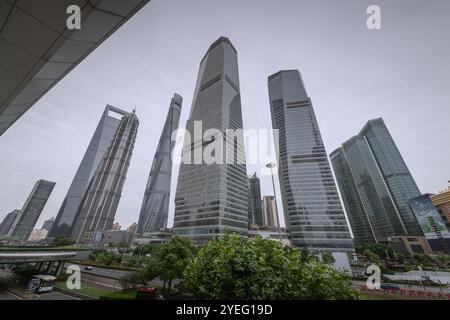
(10,291)
(103,272)
(5,295)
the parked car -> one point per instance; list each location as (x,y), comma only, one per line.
(148,293)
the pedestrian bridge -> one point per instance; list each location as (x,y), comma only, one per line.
(49,262)
(29,257)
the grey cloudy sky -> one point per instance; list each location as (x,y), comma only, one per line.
(400,73)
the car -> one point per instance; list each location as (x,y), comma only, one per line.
(89,268)
(148,293)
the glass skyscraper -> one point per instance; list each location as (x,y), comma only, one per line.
(8,221)
(255,215)
(212,198)
(312,208)
(98,208)
(100,141)
(27,217)
(155,205)
(376,185)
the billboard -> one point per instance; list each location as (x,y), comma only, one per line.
(428,217)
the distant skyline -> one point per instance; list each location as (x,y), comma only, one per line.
(400,73)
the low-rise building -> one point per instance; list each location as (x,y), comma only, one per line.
(410,245)
(37,235)
(271,233)
(115,237)
(157,237)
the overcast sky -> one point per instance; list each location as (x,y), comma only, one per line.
(352,74)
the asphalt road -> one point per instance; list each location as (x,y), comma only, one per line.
(103,272)
(5,295)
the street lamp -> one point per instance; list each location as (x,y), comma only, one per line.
(271,166)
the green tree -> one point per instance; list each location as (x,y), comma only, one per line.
(168,260)
(327,258)
(234,267)
(62,241)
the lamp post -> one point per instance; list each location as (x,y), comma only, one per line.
(271,166)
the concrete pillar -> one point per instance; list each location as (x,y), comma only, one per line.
(59,268)
(38,266)
(49,267)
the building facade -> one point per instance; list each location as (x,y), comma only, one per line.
(47,225)
(32,209)
(101,140)
(269,212)
(155,205)
(255,214)
(442,202)
(98,208)
(375,185)
(311,204)
(359,221)
(32,62)
(8,222)
(212,196)
(431,223)
(37,235)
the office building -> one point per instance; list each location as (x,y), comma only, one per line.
(212,196)
(99,205)
(37,235)
(410,245)
(311,204)
(115,237)
(132,228)
(31,210)
(8,222)
(116,226)
(359,221)
(431,223)
(271,233)
(47,225)
(155,205)
(441,201)
(255,214)
(375,185)
(37,48)
(269,212)
(101,140)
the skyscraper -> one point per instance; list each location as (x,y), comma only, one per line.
(375,185)
(255,216)
(32,209)
(212,198)
(155,205)
(269,210)
(47,225)
(394,170)
(312,208)
(8,222)
(99,205)
(101,140)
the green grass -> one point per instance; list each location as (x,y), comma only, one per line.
(115,266)
(128,294)
(86,289)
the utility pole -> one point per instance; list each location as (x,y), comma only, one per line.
(271,166)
